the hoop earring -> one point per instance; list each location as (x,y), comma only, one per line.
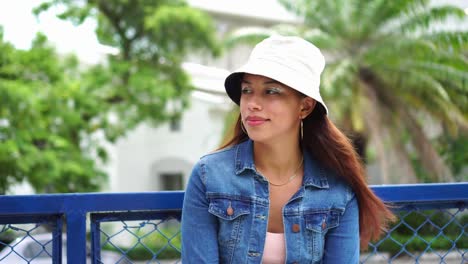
(302,130)
(243,128)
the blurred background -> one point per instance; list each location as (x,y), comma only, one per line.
(126,95)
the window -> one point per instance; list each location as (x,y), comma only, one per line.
(171,181)
(175,124)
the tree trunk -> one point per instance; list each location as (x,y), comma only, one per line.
(380,97)
(375,126)
(431,161)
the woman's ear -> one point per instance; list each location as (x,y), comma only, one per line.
(307,106)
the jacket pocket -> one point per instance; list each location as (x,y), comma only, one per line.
(228,208)
(232,213)
(317,223)
(321,221)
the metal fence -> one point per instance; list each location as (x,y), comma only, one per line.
(144,227)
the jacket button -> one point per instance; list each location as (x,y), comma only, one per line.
(296,228)
(230,211)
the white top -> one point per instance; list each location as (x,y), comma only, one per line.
(275,249)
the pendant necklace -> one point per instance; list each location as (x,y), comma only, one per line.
(290,178)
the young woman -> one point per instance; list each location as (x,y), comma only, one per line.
(287,187)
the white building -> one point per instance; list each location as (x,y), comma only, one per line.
(161,158)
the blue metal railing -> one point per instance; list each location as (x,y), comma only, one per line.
(158,211)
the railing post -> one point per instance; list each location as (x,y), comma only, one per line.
(76,237)
(95,240)
(57,241)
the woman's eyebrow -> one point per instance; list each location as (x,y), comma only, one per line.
(272,82)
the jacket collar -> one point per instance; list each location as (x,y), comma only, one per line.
(314,174)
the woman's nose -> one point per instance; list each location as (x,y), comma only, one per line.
(254,103)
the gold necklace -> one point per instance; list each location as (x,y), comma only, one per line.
(290,178)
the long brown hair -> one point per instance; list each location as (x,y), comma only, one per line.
(333,149)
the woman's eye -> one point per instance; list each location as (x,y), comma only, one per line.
(273,91)
(246,90)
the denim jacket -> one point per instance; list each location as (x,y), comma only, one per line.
(321,221)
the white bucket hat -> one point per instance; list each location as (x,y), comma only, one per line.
(292,61)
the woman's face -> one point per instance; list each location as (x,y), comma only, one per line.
(271,110)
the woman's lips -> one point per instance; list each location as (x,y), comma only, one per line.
(255,121)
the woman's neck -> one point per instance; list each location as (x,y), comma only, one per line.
(277,160)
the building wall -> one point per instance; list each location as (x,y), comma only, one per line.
(148,152)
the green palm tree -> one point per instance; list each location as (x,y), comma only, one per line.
(392,69)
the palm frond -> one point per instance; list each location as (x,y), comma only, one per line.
(379,13)
(247,35)
(455,41)
(431,85)
(444,57)
(427,18)
(447,114)
(251,34)
(295,6)
(440,72)
(316,14)
(428,79)
(334,15)
(342,70)
(459,99)
(321,39)
(364,13)
(390,49)
(420,93)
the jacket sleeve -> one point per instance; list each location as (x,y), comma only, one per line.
(199,227)
(342,242)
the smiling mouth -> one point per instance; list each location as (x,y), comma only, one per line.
(256,121)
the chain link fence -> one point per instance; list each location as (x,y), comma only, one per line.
(425,232)
(155,239)
(35,242)
(419,236)
(423,236)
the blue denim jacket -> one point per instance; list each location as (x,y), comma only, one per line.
(321,221)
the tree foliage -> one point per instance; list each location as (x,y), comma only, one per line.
(43,121)
(144,81)
(391,69)
(56,114)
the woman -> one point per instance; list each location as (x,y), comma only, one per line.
(287,187)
